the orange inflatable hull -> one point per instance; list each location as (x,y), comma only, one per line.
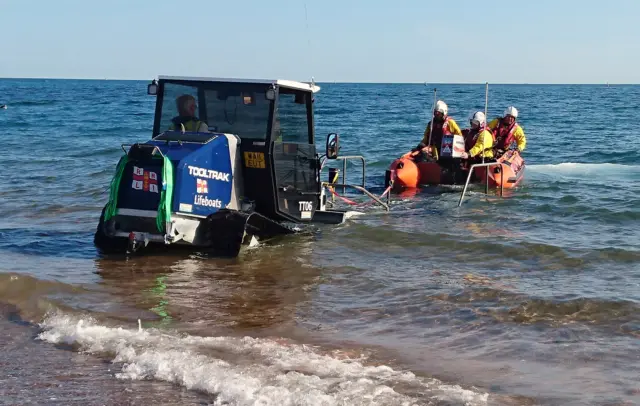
(406,173)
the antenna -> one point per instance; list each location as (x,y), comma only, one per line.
(433,114)
(486,106)
(306,21)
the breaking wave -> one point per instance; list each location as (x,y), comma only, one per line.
(587,169)
(250,371)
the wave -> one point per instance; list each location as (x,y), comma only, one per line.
(478,248)
(247,371)
(586,169)
(491,298)
(32,103)
(587,310)
(51,243)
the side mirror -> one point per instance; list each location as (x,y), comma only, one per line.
(333,146)
(152,88)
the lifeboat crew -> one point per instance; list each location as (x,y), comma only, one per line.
(507,131)
(479,141)
(442,125)
(186,106)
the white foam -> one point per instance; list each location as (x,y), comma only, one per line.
(580,168)
(251,371)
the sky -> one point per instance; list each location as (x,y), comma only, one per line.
(411,41)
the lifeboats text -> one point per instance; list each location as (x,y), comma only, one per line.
(200,200)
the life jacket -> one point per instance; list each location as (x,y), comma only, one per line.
(190,123)
(468,137)
(503,137)
(472,137)
(438,131)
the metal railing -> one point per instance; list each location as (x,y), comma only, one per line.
(486,188)
(361,187)
(363,190)
(153,151)
(344,169)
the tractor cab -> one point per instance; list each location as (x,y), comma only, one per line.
(277,168)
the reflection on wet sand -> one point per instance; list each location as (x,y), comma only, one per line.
(257,291)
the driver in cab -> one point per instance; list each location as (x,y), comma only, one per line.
(186,106)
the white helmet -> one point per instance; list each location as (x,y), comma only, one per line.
(511,111)
(479,118)
(441,107)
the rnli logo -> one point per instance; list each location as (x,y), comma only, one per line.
(144,180)
(201,186)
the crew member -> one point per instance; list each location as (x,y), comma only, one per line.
(479,141)
(507,131)
(442,125)
(186,105)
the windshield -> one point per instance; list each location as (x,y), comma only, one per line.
(234,108)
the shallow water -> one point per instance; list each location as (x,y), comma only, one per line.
(528,299)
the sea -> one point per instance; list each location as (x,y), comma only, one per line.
(530,298)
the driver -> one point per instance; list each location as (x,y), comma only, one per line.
(186,105)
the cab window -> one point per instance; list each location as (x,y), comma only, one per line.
(233,108)
(241,110)
(172,91)
(291,122)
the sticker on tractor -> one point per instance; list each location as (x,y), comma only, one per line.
(186,207)
(144,180)
(254,160)
(305,206)
(200,200)
(305,209)
(201,186)
(208,173)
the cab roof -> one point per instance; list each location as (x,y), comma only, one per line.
(285,83)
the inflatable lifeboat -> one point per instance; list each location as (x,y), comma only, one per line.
(412,170)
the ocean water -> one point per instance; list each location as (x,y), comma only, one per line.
(528,299)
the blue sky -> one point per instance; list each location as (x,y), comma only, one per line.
(534,41)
